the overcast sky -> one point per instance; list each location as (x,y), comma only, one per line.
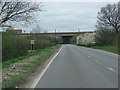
(68,16)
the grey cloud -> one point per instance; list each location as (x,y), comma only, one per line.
(66,16)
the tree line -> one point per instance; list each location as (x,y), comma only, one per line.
(16,45)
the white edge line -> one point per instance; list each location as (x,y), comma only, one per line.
(45,69)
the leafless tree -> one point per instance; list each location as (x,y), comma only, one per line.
(109,18)
(17,11)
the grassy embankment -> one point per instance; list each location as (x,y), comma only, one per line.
(107,48)
(24,66)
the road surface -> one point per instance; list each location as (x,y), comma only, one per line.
(80,67)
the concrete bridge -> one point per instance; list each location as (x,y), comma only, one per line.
(65,36)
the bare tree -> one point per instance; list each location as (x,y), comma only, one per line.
(109,18)
(17,11)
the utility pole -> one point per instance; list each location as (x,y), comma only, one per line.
(55,33)
(55,36)
(78,30)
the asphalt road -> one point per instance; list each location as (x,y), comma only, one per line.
(80,67)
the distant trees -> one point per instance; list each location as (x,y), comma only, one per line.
(17,11)
(108,25)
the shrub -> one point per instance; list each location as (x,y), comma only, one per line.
(13,45)
(73,40)
(104,37)
(42,43)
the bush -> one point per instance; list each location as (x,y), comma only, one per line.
(105,37)
(13,45)
(54,40)
(73,40)
(42,43)
(116,42)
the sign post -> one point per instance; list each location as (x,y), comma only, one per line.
(32,43)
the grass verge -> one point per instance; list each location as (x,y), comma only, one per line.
(107,48)
(8,63)
(16,79)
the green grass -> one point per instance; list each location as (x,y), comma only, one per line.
(40,59)
(26,68)
(17,79)
(44,57)
(107,48)
(6,64)
(36,52)
(14,80)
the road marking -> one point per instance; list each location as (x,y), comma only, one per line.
(45,69)
(105,66)
(111,69)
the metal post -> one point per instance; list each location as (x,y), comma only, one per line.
(78,30)
(55,36)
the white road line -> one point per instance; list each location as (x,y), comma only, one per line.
(111,69)
(104,66)
(45,69)
(91,57)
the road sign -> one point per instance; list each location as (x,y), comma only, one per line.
(32,42)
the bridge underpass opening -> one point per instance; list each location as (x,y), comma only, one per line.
(66,39)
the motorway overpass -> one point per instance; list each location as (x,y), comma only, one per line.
(65,36)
